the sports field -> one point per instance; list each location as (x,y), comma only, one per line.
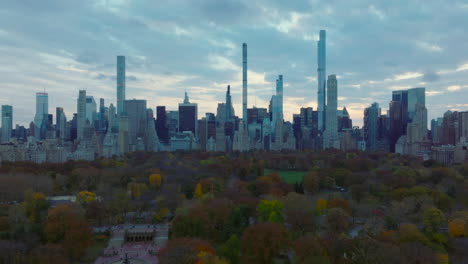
(290,177)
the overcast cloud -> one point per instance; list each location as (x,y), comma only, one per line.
(171,46)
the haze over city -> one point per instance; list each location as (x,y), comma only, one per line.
(172,46)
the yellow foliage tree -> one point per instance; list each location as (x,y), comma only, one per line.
(155,180)
(159,216)
(85,197)
(198,191)
(35,205)
(457,227)
(137,189)
(321,205)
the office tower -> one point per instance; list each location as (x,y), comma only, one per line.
(81,114)
(120,83)
(321,79)
(7,123)
(203,133)
(91,110)
(330,138)
(123,133)
(172,122)
(463,126)
(344,121)
(188,115)
(229,108)
(61,124)
(450,128)
(221,113)
(42,109)
(279,94)
(102,116)
(244,81)
(256,115)
(306,117)
(112,117)
(371,118)
(137,121)
(58,112)
(161,124)
(152,140)
(210,117)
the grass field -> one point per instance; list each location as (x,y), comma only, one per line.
(290,177)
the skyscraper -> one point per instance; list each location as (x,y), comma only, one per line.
(137,121)
(81,111)
(244,82)
(161,124)
(321,79)
(112,123)
(91,110)
(120,83)
(7,123)
(331,129)
(229,109)
(279,94)
(371,127)
(42,108)
(188,115)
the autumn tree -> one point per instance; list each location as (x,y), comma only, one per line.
(322,205)
(66,226)
(183,251)
(337,220)
(311,182)
(35,205)
(340,203)
(137,189)
(308,249)
(231,250)
(85,197)
(299,213)
(198,191)
(155,180)
(271,211)
(433,219)
(457,227)
(263,242)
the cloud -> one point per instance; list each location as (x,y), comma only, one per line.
(453,88)
(430,76)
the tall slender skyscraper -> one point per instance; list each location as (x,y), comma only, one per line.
(330,136)
(42,108)
(7,123)
(81,111)
(188,115)
(120,83)
(279,94)
(229,114)
(244,82)
(321,79)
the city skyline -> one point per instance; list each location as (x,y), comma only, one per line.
(281,43)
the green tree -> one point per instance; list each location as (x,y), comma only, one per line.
(433,219)
(231,250)
(35,206)
(270,211)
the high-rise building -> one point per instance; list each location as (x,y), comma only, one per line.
(371,118)
(244,81)
(161,124)
(279,94)
(188,115)
(229,108)
(7,123)
(81,114)
(137,121)
(91,110)
(321,79)
(330,137)
(120,83)
(256,115)
(112,117)
(42,109)
(463,126)
(61,125)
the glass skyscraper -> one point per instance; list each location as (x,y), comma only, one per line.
(120,83)
(42,108)
(7,123)
(321,79)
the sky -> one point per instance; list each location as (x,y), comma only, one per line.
(173,46)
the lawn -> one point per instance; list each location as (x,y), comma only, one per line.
(290,177)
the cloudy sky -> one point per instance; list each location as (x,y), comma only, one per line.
(374,47)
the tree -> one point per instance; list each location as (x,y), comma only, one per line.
(271,211)
(308,249)
(262,242)
(337,220)
(299,213)
(340,203)
(457,227)
(231,250)
(137,189)
(311,182)
(321,205)
(433,219)
(49,253)
(410,233)
(65,225)
(35,205)
(198,191)
(155,180)
(183,251)
(85,197)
